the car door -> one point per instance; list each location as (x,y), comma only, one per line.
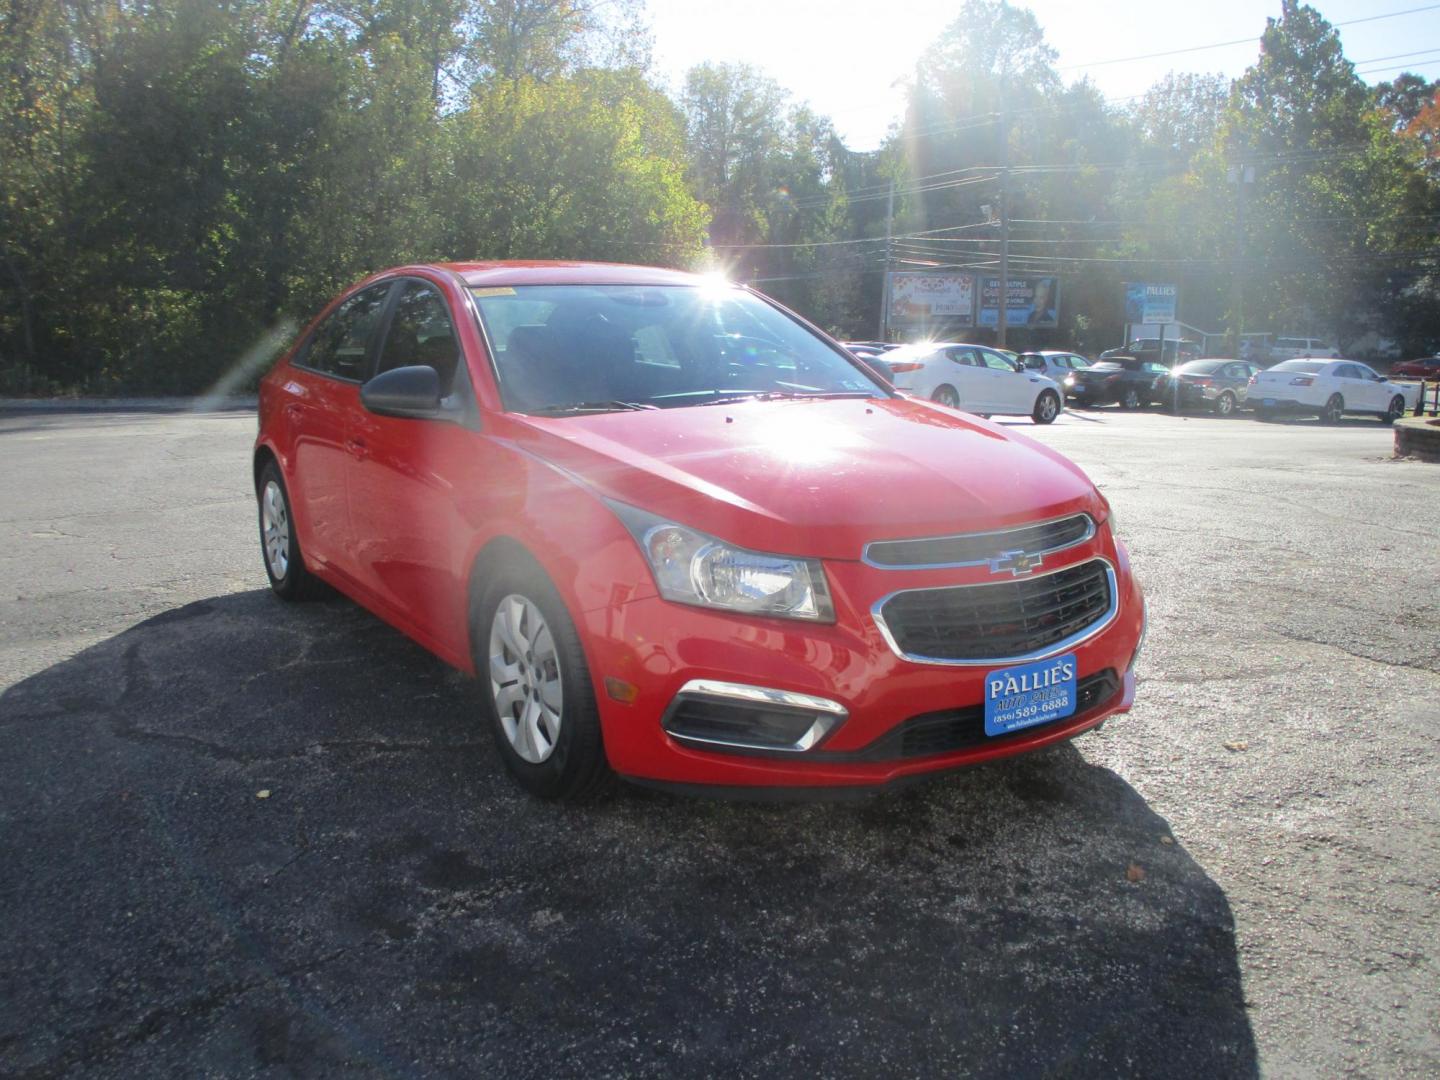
(1010,391)
(963,371)
(1350,384)
(320,400)
(410,479)
(1377,392)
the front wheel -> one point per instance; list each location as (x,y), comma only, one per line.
(1334,410)
(1130,399)
(279,545)
(1396,410)
(1047,408)
(1225,404)
(535,687)
(946,395)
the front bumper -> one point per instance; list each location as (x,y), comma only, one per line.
(901,719)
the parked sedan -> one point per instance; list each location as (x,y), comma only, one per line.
(1329,389)
(1427,367)
(1219,385)
(679,535)
(1127,381)
(1054,364)
(975,378)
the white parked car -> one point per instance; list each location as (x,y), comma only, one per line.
(976,379)
(1329,389)
(1296,348)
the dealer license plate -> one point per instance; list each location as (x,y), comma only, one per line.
(1021,697)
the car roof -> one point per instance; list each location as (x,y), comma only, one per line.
(559,272)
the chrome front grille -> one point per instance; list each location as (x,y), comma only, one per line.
(1003,621)
(977,549)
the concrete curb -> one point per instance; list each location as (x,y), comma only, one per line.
(225,403)
(1416,436)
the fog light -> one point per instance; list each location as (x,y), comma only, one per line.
(734,716)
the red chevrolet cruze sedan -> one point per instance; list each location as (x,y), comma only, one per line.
(680,535)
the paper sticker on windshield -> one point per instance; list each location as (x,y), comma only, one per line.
(498,291)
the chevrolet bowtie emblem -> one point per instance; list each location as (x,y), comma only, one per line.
(1017,562)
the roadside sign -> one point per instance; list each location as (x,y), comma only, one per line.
(1149,303)
(1033,302)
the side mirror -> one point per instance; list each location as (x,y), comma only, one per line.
(409,392)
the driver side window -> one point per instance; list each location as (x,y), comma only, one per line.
(420,333)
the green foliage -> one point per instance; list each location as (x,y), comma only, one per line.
(181,181)
(176,180)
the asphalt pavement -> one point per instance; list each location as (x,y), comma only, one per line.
(245,838)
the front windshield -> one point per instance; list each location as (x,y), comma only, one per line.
(589,348)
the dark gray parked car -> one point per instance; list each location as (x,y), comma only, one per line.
(1218,385)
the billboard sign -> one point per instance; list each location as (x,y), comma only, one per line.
(1149,303)
(926,298)
(1032,302)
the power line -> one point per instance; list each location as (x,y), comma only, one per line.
(1237,41)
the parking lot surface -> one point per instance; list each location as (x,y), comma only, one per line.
(240,837)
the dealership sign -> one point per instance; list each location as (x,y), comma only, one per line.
(1033,302)
(924,298)
(1148,303)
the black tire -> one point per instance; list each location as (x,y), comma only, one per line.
(279,544)
(1264,414)
(1047,407)
(1225,404)
(946,395)
(1334,410)
(575,767)
(1397,410)
(1130,398)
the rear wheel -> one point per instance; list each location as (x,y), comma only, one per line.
(1225,404)
(1130,399)
(279,545)
(1047,407)
(946,395)
(1396,410)
(1334,410)
(535,687)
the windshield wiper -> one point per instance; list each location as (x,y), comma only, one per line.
(563,408)
(728,398)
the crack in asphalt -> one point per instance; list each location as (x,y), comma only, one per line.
(98,1041)
(1430,666)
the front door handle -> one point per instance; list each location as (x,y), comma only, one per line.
(357,447)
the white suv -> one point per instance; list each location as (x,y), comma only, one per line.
(1295,348)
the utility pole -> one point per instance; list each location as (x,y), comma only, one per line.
(1241,176)
(1003,316)
(889,255)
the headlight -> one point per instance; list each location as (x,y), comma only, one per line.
(693,568)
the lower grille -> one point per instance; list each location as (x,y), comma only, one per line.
(957,729)
(1002,621)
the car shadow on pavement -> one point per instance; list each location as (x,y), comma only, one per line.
(246,837)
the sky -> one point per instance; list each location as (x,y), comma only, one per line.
(849,60)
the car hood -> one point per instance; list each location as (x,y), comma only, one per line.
(818,478)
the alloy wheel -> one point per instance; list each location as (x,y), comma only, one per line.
(1225,405)
(525,678)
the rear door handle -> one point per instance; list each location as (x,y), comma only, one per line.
(357,447)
